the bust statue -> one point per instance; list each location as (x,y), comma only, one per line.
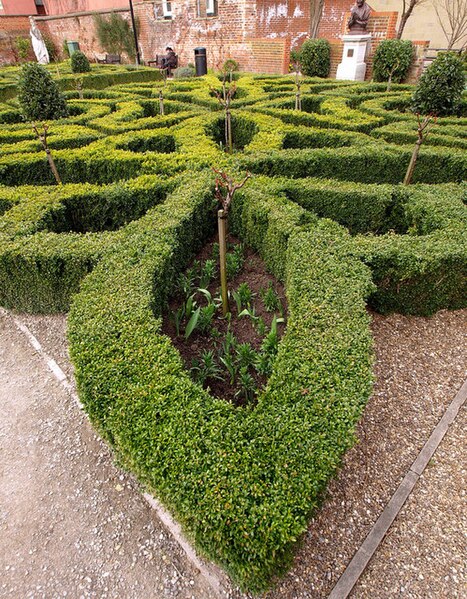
(359,15)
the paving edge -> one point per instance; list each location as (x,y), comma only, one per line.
(376,535)
(213,575)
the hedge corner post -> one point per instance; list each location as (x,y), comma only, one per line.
(224,192)
(423,130)
(42,137)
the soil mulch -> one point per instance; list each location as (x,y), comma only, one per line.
(255,275)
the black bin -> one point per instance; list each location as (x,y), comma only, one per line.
(201,64)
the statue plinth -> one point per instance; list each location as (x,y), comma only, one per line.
(353,65)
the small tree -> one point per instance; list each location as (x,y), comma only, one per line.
(229,66)
(316,11)
(79,62)
(42,137)
(408,7)
(23,47)
(38,95)
(439,91)
(452,16)
(392,61)
(115,35)
(225,190)
(315,58)
(225,99)
(423,130)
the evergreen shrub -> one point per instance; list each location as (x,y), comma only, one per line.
(439,91)
(392,60)
(39,96)
(315,58)
(79,62)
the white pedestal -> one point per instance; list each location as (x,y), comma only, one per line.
(353,65)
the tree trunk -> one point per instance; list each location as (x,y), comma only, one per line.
(405,17)
(413,162)
(53,167)
(316,11)
(222,227)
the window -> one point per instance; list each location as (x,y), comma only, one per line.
(206,8)
(1,5)
(167,9)
(211,8)
(40,7)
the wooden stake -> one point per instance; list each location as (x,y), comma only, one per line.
(222,227)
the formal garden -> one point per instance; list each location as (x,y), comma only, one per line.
(234,410)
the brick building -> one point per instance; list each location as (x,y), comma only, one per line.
(257,33)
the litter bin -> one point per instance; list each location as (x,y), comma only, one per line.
(72,47)
(200,62)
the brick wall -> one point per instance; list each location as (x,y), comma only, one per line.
(257,33)
(12,27)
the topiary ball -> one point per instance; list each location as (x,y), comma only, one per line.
(38,95)
(439,90)
(392,58)
(79,62)
(315,58)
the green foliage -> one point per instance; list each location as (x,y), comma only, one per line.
(315,58)
(65,49)
(115,35)
(51,48)
(439,91)
(392,60)
(79,62)
(23,47)
(270,299)
(39,96)
(184,72)
(230,65)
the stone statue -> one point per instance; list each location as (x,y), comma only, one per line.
(359,15)
(38,43)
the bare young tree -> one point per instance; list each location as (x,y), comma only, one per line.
(408,7)
(316,12)
(452,16)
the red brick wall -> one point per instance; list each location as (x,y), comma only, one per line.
(12,27)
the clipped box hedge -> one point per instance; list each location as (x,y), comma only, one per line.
(324,208)
(242,482)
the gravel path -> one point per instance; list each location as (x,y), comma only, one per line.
(71,524)
(79,526)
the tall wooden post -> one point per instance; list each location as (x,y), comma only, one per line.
(222,227)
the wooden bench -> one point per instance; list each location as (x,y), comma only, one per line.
(108,58)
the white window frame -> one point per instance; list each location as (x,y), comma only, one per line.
(211,8)
(167,9)
(1,5)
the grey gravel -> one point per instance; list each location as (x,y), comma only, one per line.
(74,525)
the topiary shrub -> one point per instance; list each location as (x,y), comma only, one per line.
(39,96)
(439,91)
(79,62)
(315,58)
(392,60)
(184,72)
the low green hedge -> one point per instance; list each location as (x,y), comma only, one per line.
(426,270)
(40,269)
(369,164)
(406,133)
(242,482)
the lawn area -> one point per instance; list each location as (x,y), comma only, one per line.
(324,209)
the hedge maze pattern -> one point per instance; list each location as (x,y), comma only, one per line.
(324,208)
